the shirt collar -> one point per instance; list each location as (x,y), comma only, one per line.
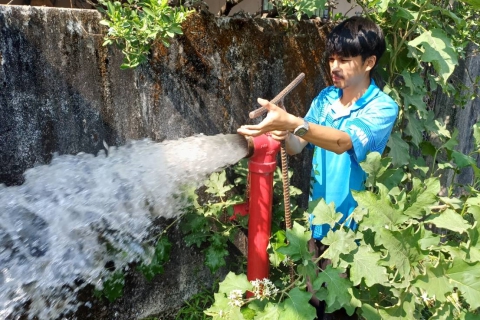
(340,111)
(371,92)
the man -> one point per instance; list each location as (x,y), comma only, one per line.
(345,121)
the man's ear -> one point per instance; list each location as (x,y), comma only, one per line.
(370,62)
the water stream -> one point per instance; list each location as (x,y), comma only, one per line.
(54,228)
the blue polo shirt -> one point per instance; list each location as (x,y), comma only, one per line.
(369,123)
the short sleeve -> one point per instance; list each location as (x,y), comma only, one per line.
(370,129)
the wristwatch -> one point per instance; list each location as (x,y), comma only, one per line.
(301,130)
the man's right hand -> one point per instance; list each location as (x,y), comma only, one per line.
(279,135)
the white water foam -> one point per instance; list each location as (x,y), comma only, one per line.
(54,228)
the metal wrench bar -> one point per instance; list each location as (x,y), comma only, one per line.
(258,112)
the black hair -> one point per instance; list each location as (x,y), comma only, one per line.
(356,36)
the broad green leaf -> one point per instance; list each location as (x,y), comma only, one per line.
(222,310)
(349,307)
(296,306)
(414,128)
(454,203)
(434,282)
(444,312)
(449,219)
(337,287)
(370,312)
(381,213)
(383,5)
(474,3)
(215,257)
(278,240)
(462,160)
(271,312)
(216,184)
(339,242)
(452,142)
(297,247)
(415,102)
(399,150)
(234,282)
(323,213)
(364,265)
(373,168)
(428,239)
(436,47)
(422,196)
(403,248)
(404,309)
(466,277)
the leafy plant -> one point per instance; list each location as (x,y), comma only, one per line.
(209,223)
(135,24)
(194,307)
(288,8)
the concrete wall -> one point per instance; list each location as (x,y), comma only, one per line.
(62,91)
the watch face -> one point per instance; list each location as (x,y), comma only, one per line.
(300,131)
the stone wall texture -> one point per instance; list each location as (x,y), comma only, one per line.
(62,92)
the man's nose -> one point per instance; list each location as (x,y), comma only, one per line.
(334,64)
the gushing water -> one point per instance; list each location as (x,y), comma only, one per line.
(54,228)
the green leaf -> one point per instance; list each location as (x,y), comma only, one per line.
(339,242)
(323,213)
(364,265)
(216,184)
(215,257)
(381,213)
(370,312)
(222,310)
(466,277)
(336,292)
(373,167)
(113,286)
(297,247)
(234,282)
(452,142)
(436,47)
(296,306)
(403,248)
(414,127)
(278,240)
(474,3)
(404,309)
(271,312)
(450,220)
(462,160)
(399,150)
(422,196)
(435,281)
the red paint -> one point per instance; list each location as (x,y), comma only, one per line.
(262,165)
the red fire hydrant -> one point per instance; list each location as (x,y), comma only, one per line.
(261,166)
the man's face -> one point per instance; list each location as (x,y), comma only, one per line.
(349,71)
